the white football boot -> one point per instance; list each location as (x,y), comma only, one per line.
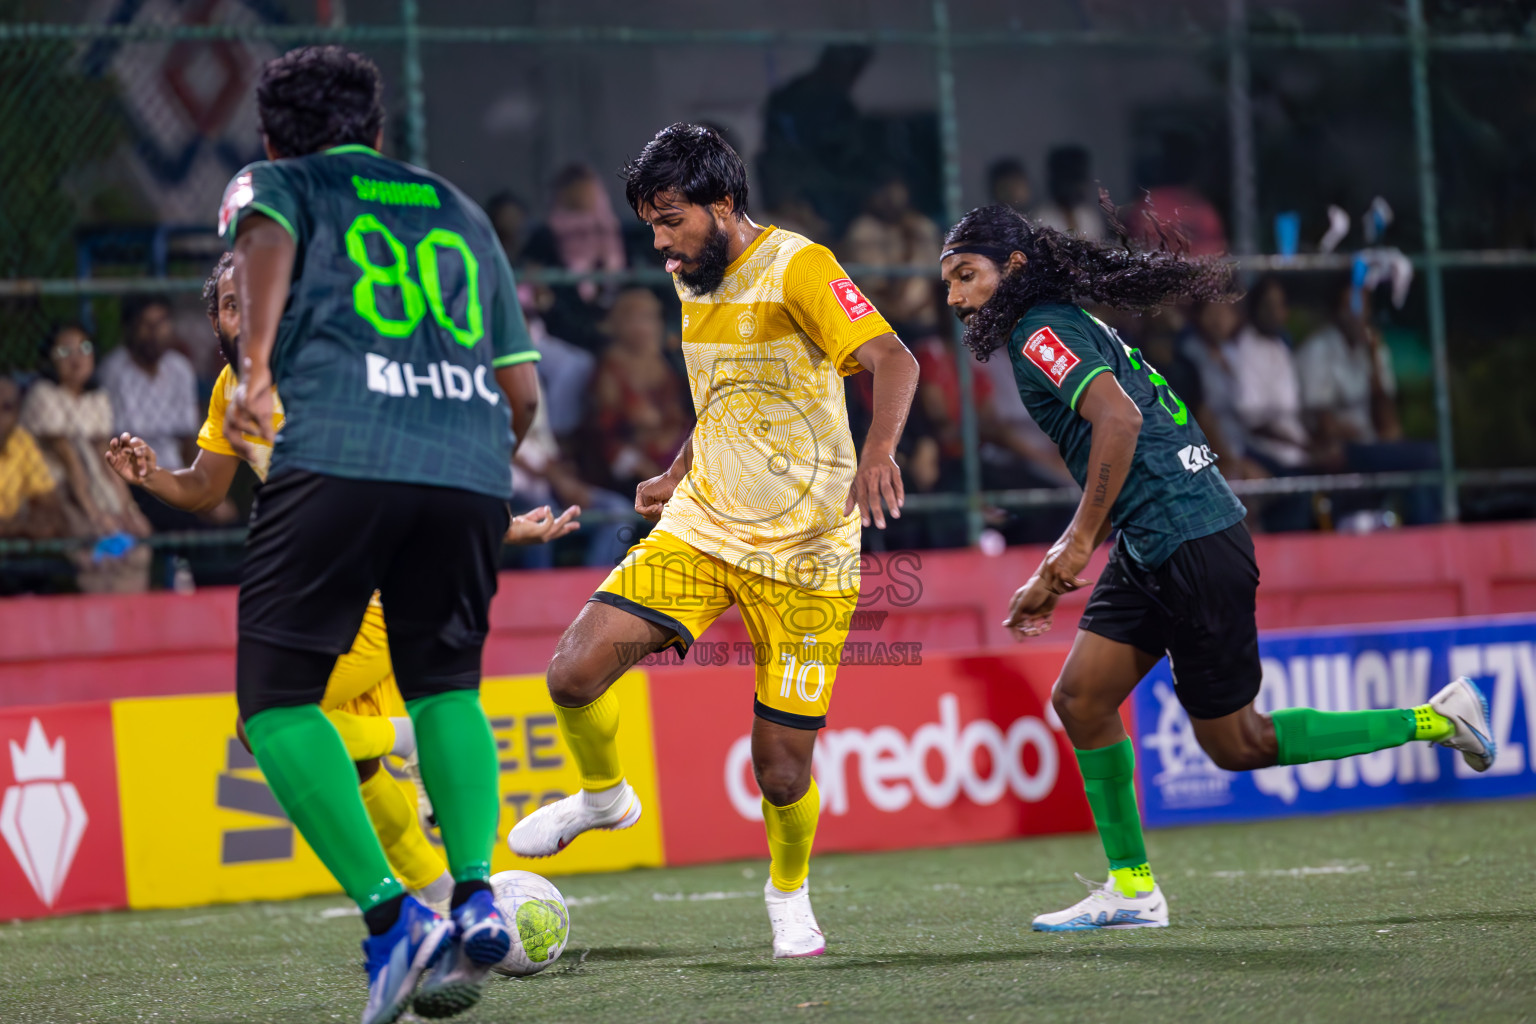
(1106,907)
(551,828)
(1464,704)
(795,931)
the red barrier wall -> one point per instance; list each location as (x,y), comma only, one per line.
(93,647)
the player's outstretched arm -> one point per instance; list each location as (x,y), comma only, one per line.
(520,383)
(264,255)
(541,525)
(877,482)
(198,488)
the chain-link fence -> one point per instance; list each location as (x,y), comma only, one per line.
(121,121)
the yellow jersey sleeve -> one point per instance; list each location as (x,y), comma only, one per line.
(829,307)
(211,436)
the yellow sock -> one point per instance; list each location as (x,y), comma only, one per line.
(1133,880)
(589,732)
(365,736)
(1429,724)
(791,831)
(393,814)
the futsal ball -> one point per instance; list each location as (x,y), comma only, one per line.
(540,922)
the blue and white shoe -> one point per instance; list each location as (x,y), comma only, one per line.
(1465,705)
(396,959)
(481,940)
(1106,907)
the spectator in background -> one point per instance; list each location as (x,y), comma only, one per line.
(565,371)
(1175,201)
(890,233)
(1212,327)
(70,417)
(1268,401)
(639,404)
(29,499)
(795,213)
(1073,206)
(1348,396)
(509,216)
(152,386)
(582,235)
(1008,184)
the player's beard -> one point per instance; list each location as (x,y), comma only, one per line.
(712,260)
(229,348)
(989,327)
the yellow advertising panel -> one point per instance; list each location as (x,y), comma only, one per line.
(537,768)
(200,825)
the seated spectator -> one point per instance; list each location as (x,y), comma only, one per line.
(1268,401)
(795,213)
(70,417)
(565,371)
(1073,206)
(509,216)
(1008,184)
(29,499)
(890,233)
(152,386)
(581,234)
(1348,394)
(1212,326)
(639,402)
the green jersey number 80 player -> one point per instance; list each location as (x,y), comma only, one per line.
(1181,579)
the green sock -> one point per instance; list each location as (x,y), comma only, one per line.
(462,775)
(307,766)
(1306,734)
(1109,779)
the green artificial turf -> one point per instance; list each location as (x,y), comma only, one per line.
(1421,914)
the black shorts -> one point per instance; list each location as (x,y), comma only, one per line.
(1198,607)
(319,546)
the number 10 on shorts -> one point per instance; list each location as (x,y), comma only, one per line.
(797,674)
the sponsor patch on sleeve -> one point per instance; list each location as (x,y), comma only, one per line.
(236,197)
(1048,352)
(851,299)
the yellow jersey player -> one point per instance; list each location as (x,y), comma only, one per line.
(361,698)
(758,510)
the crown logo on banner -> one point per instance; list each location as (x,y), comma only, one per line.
(38,760)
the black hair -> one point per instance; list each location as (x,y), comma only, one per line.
(316,97)
(211,286)
(135,306)
(45,348)
(1006,167)
(506,197)
(1065,269)
(689,159)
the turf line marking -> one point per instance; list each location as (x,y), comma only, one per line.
(1327,869)
(698,897)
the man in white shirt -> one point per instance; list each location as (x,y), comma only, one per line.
(153,387)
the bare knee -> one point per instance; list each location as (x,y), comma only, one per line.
(574,679)
(1083,714)
(782,782)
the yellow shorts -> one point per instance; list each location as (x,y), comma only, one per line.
(363,681)
(797,634)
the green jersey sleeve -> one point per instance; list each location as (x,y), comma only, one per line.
(510,341)
(265,188)
(1055,358)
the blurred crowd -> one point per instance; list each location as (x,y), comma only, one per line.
(616,406)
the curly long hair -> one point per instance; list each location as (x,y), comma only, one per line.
(1065,269)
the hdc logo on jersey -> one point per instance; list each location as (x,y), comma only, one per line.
(1047,351)
(851,299)
(58,811)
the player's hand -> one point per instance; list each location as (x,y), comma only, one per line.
(249,412)
(1029,613)
(653,494)
(1066,558)
(131,458)
(540,526)
(877,480)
